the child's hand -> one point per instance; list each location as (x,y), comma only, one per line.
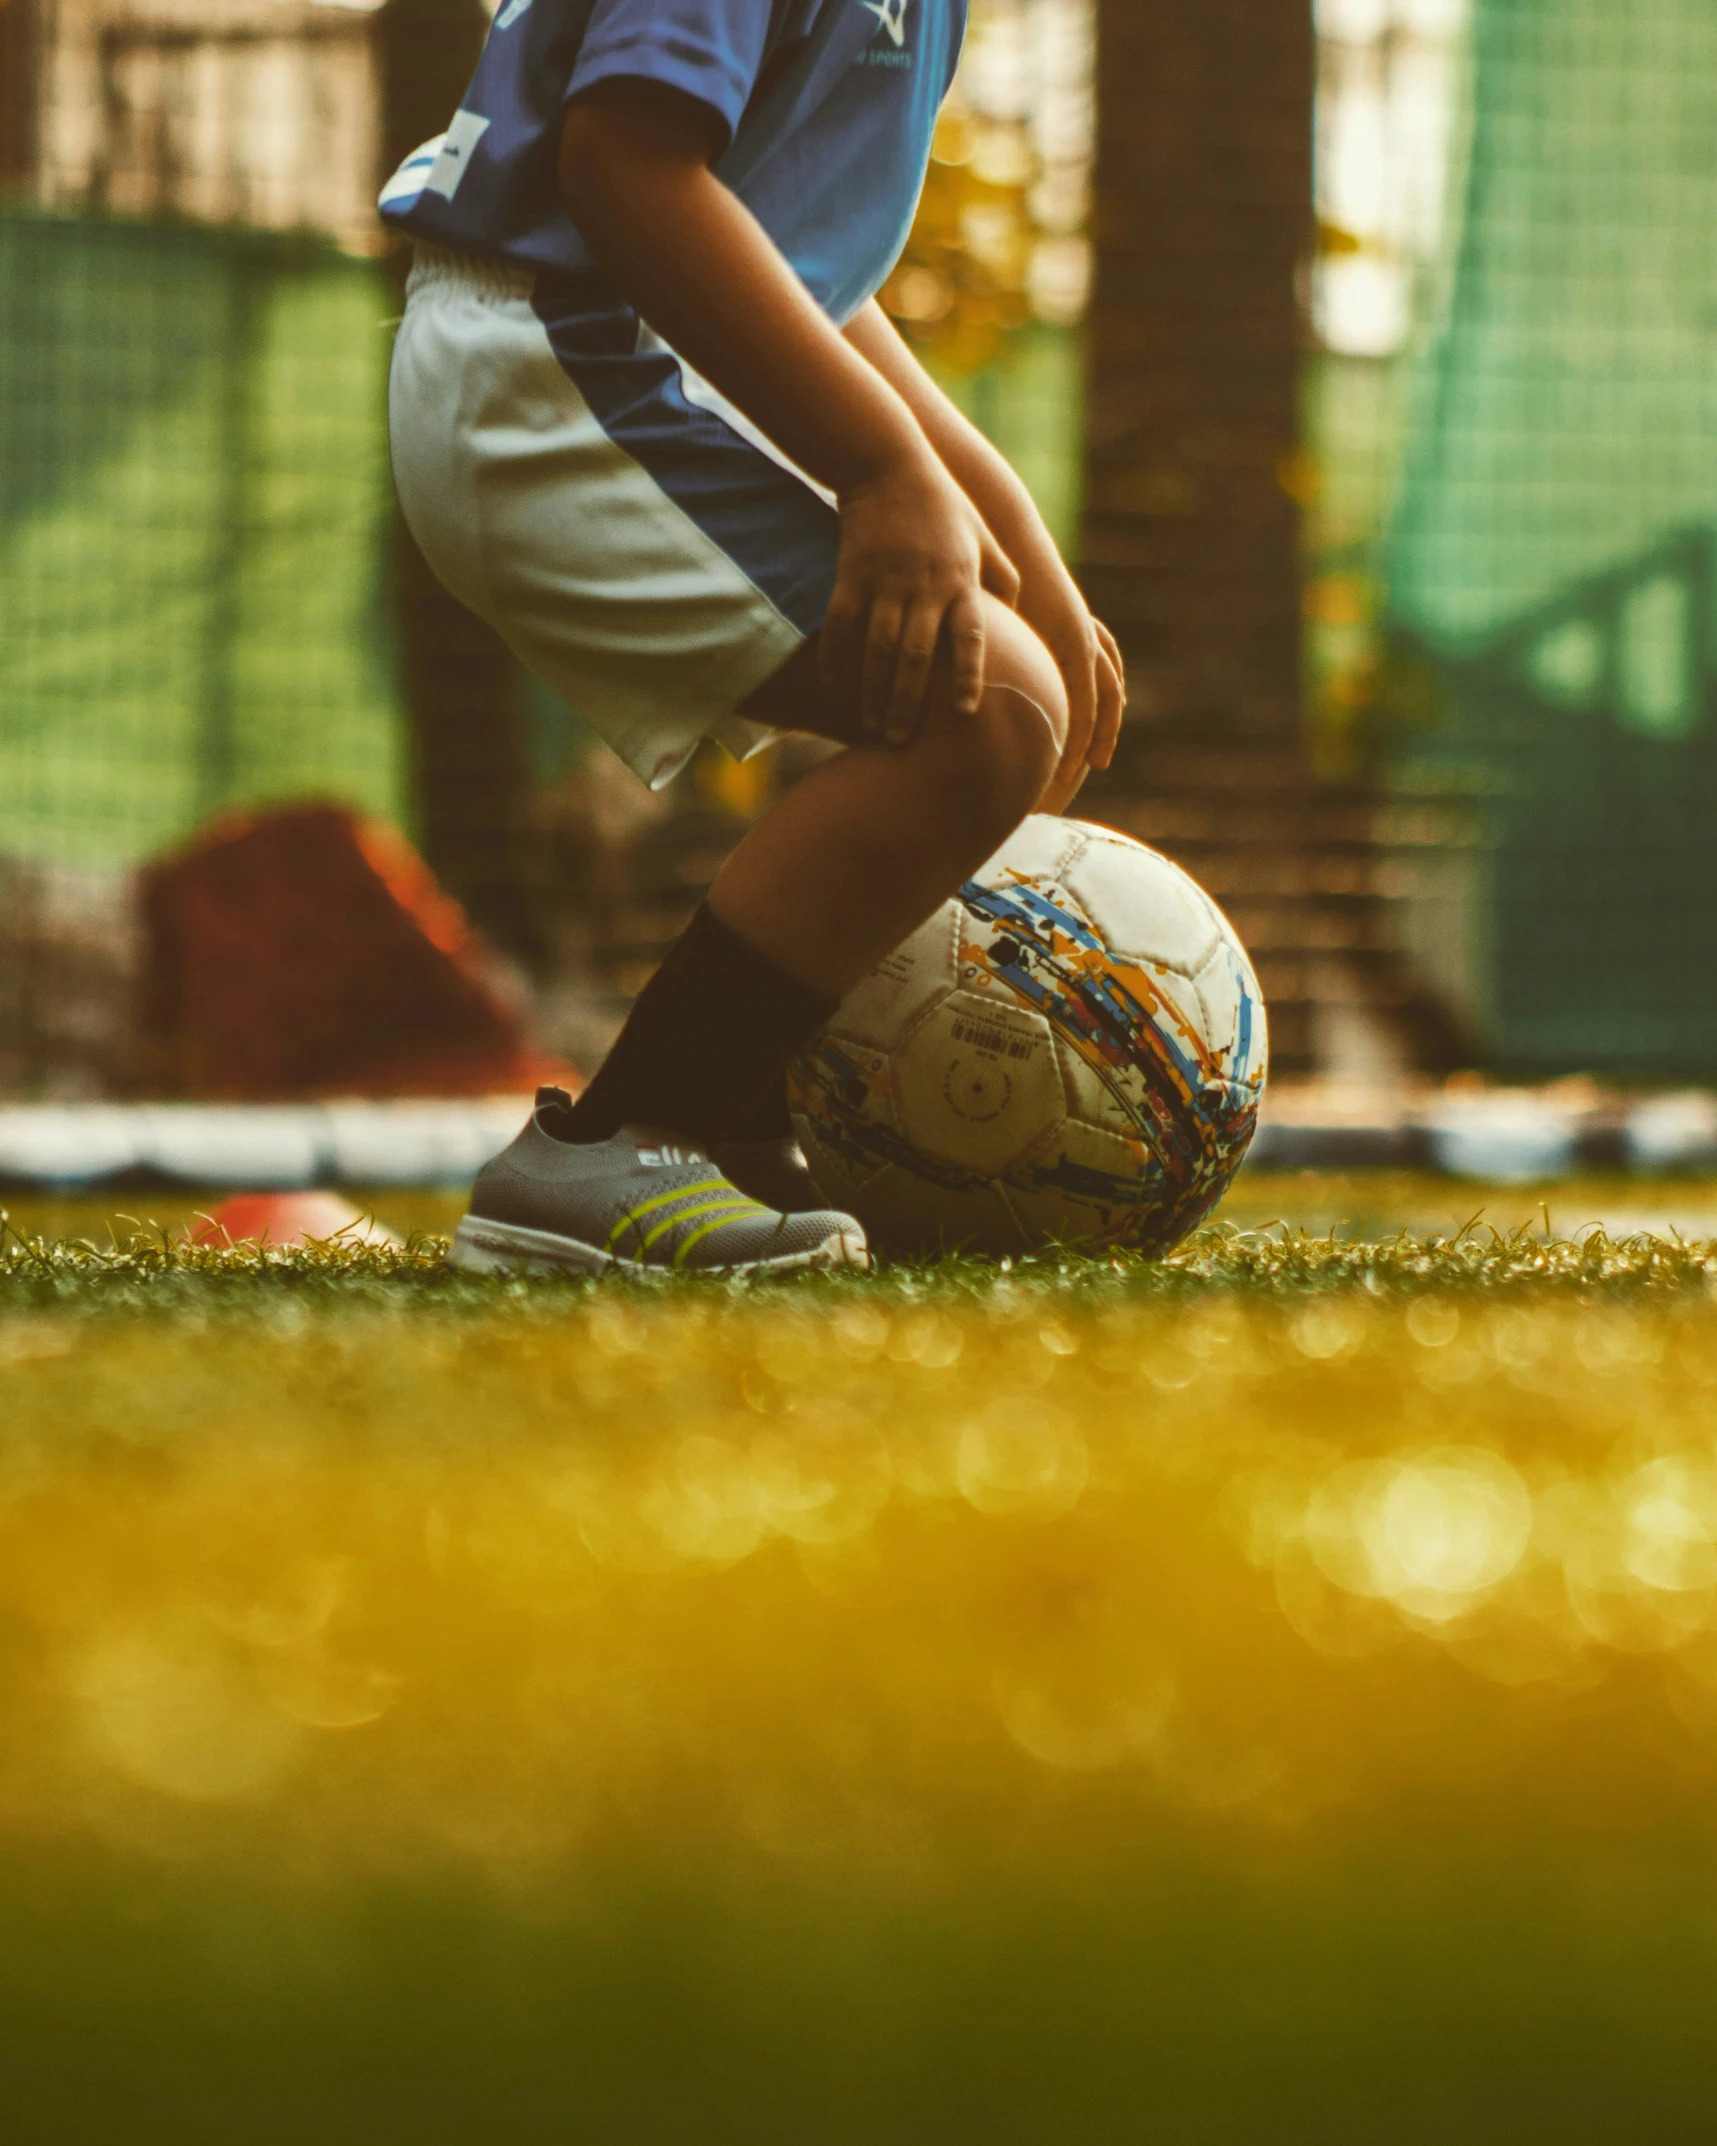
(1089,659)
(915,554)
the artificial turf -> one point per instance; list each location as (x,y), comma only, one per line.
(1267,1695)
(1277,1232)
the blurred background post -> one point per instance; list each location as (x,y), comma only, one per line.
(462,690)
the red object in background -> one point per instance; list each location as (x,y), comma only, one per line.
(310,952)
(284,1218)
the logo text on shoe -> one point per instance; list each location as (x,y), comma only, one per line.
(668,1158)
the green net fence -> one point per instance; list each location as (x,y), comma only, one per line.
(1549,556)
(193,492)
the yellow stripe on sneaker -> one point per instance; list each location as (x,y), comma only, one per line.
(721,1221)
(733,1207)
(633,1217)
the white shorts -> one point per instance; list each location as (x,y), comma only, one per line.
(630,535)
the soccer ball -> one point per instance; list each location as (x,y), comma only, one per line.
(1071,1051)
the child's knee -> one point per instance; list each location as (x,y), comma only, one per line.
(1003,759)
(1029,724)
(1016,739)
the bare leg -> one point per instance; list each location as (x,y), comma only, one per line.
(853,858)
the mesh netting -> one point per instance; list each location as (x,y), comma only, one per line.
(192,493)
(1551,547)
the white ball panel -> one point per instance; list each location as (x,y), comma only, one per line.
(895,994)
(1088,1094)
(1218,987)
(1224,984)
(1182,1016)
(1094,1097)
(1039,847)
(1142,907)
(977,1082)
(1087,1188)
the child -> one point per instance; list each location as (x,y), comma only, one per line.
(649,420)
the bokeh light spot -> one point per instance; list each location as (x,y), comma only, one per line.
(1022,1459)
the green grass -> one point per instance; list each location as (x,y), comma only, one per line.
(1267,1696)
(155,1276)
(1386,1233)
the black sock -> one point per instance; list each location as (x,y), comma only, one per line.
(706,1045)
(768,1118)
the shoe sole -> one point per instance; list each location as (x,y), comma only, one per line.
(482,1247)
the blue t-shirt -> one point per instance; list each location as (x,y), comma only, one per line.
(828,107)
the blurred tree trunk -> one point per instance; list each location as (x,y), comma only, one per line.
(1204,226)
(20,94)
(470,756)
(1204,222)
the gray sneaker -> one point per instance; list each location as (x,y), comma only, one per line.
(639,1203)
(773,1171)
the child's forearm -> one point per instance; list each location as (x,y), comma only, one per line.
(1047,597)
(977,467)
(702,272)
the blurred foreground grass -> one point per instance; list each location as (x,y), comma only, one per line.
(1271,1696)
